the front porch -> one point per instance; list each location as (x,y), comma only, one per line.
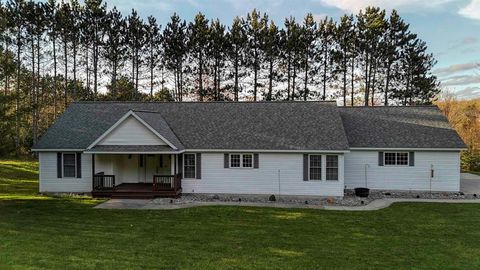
(136,175)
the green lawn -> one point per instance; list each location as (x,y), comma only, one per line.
(67,233)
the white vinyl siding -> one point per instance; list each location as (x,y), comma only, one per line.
(49,182)
(131,132)
(286,168)
(446,165)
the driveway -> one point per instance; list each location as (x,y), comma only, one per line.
(470,183)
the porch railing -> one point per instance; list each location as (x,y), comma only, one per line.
(167,182)
(103,181)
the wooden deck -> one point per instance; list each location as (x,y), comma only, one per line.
(136,191)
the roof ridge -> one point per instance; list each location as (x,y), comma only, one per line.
(390,106)
(206,102)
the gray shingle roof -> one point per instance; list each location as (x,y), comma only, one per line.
(399,127)
(214,125)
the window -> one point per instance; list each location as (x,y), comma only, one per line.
(332,167)
(247,161)
(315,167)
(189,165)
(69,165)
(396,158)
(241,161)
(235,161)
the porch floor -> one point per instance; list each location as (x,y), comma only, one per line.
(136,191)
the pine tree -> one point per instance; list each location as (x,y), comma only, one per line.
(216,55)
(198,37)
(271,50)
(309,37)
(326,29)
(114,47)
(345,36)
(236,44)
(175,51)
(154,49)
(256,26)
(135,41)
(371,25)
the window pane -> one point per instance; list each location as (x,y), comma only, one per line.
(247,161)
(69,159)
(189,159)
(68,171)
(315,167)
(189,166)
(189,172)
(402,158)
(332,173)
(390,158)
(332,161)
(235,160)
(315,161)
(315,174)
(69,165)
(332,168)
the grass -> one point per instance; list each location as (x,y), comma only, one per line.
(39,232)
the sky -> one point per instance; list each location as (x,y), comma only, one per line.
(451,28)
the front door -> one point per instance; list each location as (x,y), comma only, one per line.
(151,167)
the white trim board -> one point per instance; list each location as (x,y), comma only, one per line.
(404,149)
(123,118)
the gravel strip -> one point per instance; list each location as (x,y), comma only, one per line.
(295,201)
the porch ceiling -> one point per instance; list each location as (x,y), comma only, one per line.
(132,149)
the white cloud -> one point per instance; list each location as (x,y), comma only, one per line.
(469,92)
(458,80)
(472,10)
(446,71)
(356,5)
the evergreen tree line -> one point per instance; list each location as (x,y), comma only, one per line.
(54,53)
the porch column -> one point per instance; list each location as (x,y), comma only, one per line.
(172,166)
(93,170)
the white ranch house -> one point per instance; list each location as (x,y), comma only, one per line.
(135,149)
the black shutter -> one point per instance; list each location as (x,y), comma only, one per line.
(255,161)
(198,166)
(59,165)
(380,158)
(225,161)
(411,159)
(305,167)
(79,165)
(180,164)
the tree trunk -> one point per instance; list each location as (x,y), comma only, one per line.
(305,91)
(367,90)
(387,83)
(54,78)
(17,95)
(75,90)
(65,65)
(324,77)
(270,81)
(293,80)
(200,79)
(288,74)
(353,81)
(255,78)
(236,78)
